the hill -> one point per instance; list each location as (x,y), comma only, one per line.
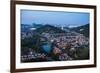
(49,29)
(82,29)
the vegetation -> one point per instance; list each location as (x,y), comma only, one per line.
(82,29)
(79,53)
(49,29)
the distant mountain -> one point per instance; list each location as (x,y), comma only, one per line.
(39,28)
(28,27)
(82,29)
(25,27)
(34,25)
(49,29)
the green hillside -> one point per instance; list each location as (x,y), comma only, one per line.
(82,29)
(49,29)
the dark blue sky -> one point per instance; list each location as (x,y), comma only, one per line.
(54,18)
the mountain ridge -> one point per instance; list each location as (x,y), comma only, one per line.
(84,29)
